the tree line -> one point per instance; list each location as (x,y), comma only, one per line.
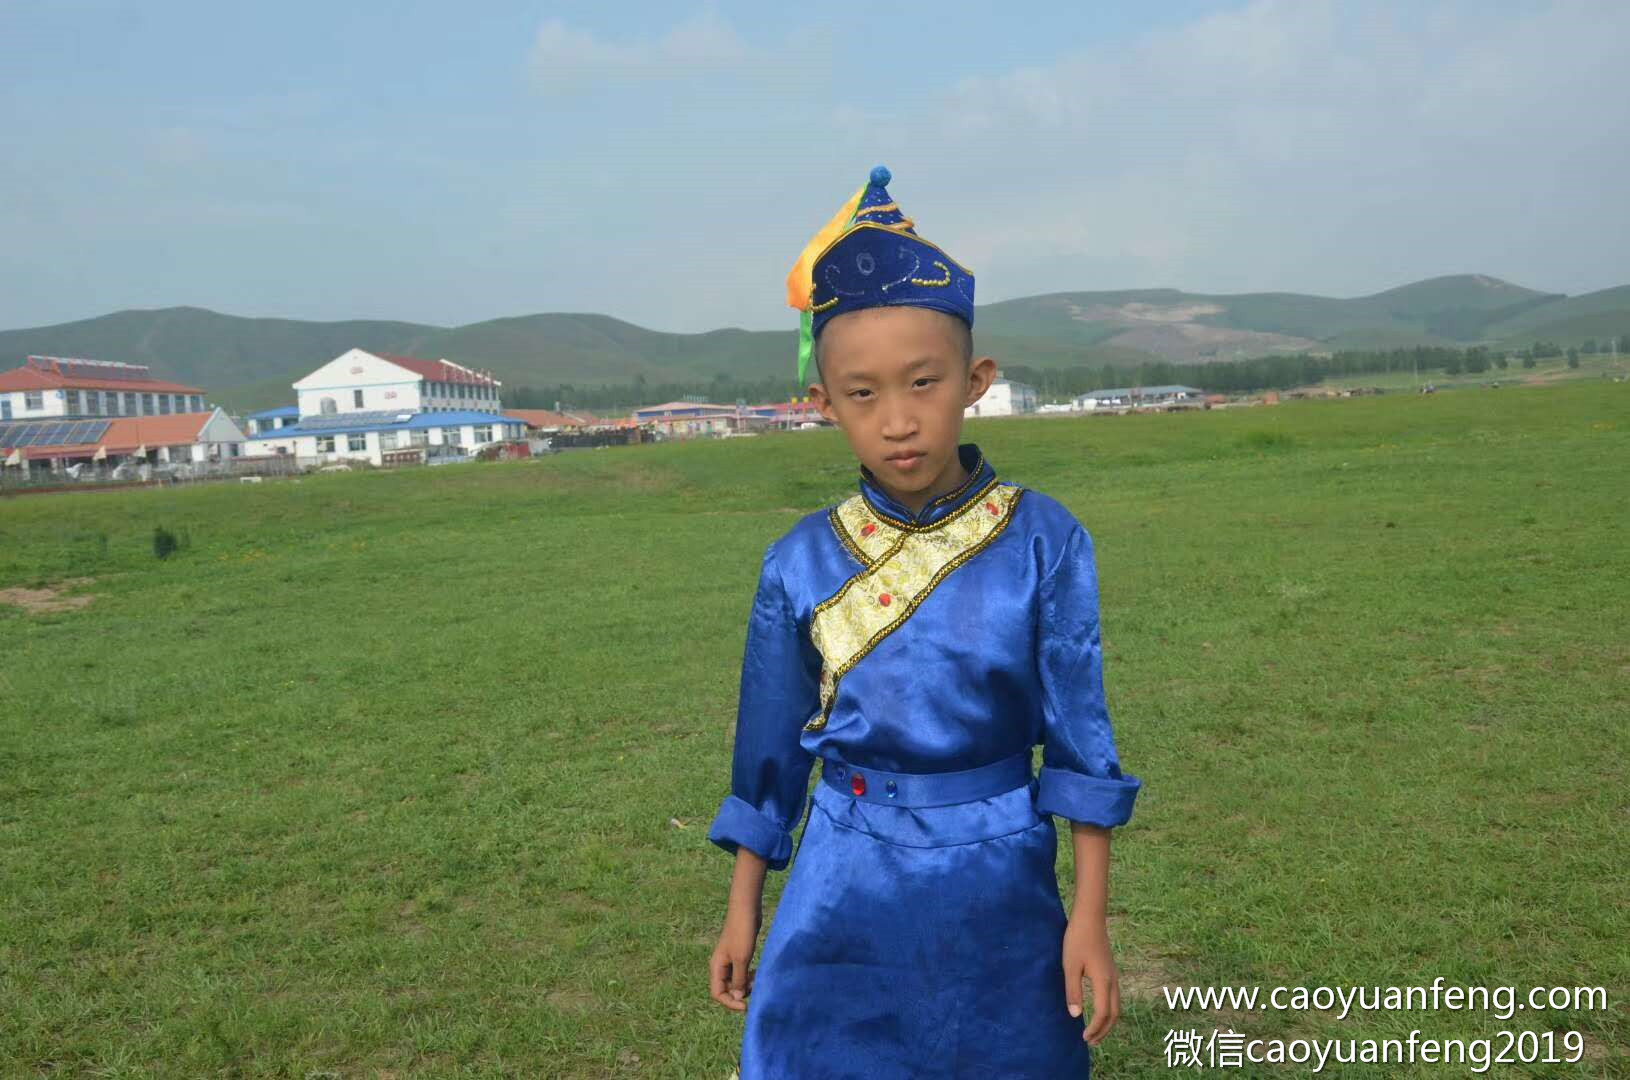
(1276,372)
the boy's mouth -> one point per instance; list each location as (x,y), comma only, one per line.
(905,461)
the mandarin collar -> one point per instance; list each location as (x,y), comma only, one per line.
(980,474)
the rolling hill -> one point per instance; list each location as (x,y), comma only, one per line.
(249,362)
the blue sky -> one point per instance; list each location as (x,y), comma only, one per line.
(664,163)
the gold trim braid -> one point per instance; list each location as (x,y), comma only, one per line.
(902,568)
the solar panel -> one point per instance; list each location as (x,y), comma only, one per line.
(52,433)
(86,431)
(79,368)
(344,421)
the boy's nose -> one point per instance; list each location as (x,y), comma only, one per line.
(899,424)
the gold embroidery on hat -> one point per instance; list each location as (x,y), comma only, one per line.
(877,601)
(859,225)
(818,308)
(946,270)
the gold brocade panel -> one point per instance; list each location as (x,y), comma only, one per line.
(903,566)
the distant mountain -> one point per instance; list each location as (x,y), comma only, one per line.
(1199,327)
(250,363)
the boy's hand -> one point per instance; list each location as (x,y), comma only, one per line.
(1087,955)
(731,967)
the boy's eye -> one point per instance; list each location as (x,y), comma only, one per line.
(925,379)
(857,393)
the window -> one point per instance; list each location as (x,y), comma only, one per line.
(419,437)
(93,402)
(130,404)
(356,399)
(73,402)
(147,404)
(325,444)
(356,441)
(483,433)
(327,407)
(197,403)
(180,403)
(164,404)
(33,399)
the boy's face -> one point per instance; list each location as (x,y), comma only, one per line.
(896,380)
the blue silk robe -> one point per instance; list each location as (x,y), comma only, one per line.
(922,941)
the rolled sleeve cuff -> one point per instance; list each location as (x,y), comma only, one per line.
(740,823)
(1091,800)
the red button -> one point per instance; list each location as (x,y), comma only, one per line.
(992,508)
(857,784)
(885,599)
(867,529)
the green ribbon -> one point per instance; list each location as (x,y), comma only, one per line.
(806,346)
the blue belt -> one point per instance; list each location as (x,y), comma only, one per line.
(927,789)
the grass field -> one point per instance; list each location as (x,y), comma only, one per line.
(1549,371)
(376,775)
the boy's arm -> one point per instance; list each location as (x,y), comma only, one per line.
(780,690)
(730,970)
(1081,778)
(1087,953)
(769,775)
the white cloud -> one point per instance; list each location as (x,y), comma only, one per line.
(1309,146)
(564,58)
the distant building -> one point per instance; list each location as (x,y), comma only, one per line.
(60,386)
(790,414)
(385,409)
(361,381)
(375,437)
(1004,398)
(272,419)
(1139,396)
(548,421)
(180,437)
(695,419)
(689,419)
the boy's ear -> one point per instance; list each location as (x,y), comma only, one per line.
(823,403)
(981,373)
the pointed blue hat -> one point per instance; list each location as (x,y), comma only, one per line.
(869,255)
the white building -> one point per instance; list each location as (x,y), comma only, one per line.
(272,419)
(361,381)
(1004,398)
(50,387)
(1137,396)
(385,409)
(378,438)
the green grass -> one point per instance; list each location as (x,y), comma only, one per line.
(374,776)
(1550,370)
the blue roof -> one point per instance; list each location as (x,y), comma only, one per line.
(330,425)
(1143,391)
(273,414)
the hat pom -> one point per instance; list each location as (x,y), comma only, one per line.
(881,176)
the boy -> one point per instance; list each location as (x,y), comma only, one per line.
(919,638)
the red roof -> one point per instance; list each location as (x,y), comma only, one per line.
(439,370)
(126,433)
(62,373)
(545,418)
